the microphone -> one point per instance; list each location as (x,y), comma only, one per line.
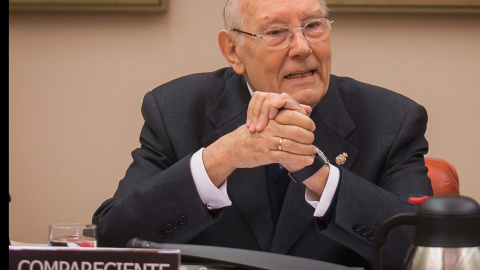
(138,243)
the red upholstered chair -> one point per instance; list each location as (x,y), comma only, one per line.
(443,175)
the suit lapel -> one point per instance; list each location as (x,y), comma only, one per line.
(247,188)
(334,126)
(229,109)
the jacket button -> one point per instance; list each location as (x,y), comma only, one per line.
(363,231)
(175,224)
(183,220)
(371,235)
(168,228)
(356,226)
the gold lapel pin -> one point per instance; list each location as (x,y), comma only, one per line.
(341,159)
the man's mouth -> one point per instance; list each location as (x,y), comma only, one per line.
(299,75)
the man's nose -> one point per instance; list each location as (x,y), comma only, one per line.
(300,46)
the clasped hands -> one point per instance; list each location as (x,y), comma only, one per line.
(284,127)
(270,118)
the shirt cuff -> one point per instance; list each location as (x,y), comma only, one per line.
(321,204)
(211,196)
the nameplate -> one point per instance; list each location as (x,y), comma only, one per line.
(54,258)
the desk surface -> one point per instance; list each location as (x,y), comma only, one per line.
(232,258)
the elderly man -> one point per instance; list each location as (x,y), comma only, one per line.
(273,153)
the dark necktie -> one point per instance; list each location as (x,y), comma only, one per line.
(278,180)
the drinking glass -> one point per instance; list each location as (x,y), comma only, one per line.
(72,235)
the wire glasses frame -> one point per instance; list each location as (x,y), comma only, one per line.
(281,37)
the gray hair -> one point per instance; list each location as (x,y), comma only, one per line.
(233,17)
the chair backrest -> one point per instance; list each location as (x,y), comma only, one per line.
(443,175)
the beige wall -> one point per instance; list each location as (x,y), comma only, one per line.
(76,83)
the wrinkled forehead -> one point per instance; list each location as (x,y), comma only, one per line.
(264,12)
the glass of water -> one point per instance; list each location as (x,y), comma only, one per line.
(72,235)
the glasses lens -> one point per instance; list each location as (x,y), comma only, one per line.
(317,30)
(275,36)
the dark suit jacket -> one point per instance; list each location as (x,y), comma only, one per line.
(381,131)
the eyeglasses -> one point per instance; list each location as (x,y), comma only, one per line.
(281,37)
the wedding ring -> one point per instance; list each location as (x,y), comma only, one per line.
(280,144)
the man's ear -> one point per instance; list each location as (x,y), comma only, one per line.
(229,51)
